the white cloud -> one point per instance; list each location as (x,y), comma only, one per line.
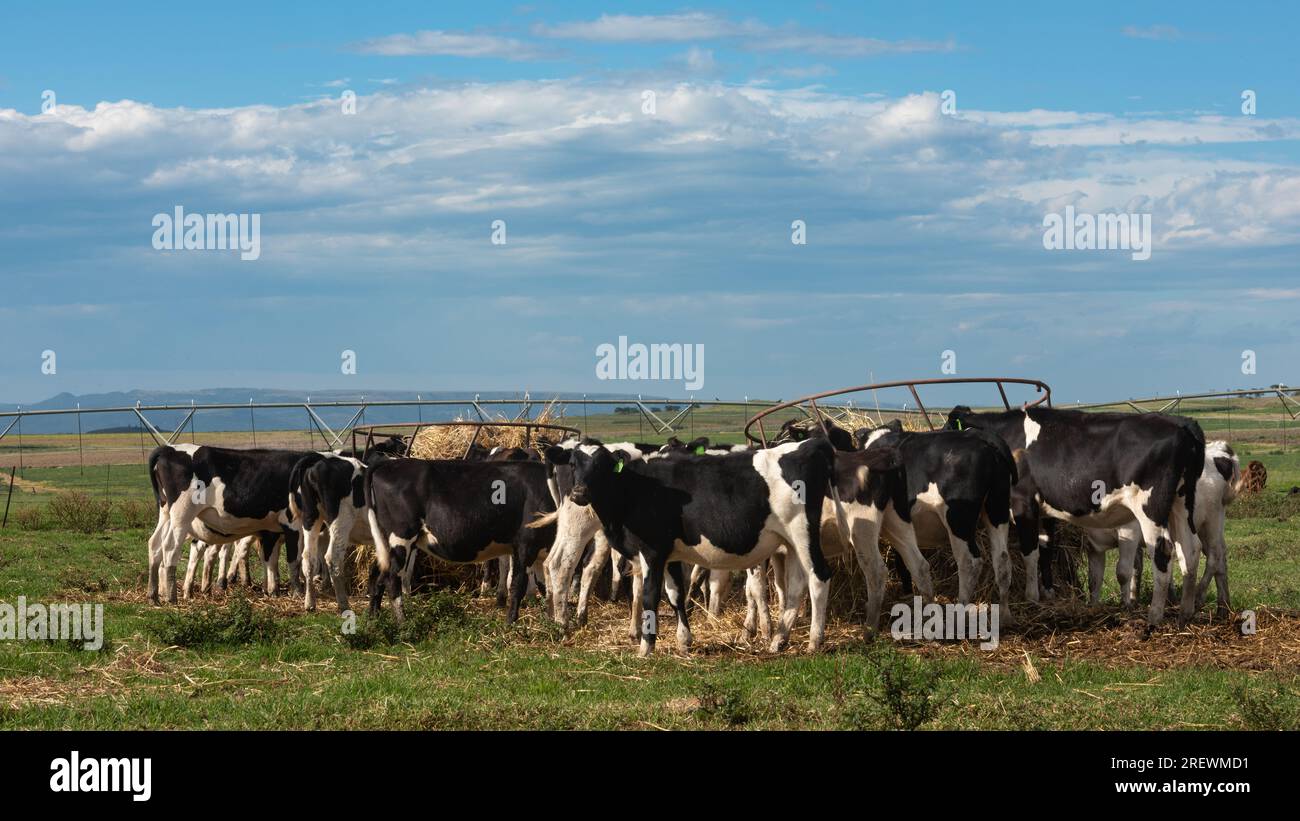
(753,34)
(450,43)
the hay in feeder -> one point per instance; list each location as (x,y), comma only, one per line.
(453,440)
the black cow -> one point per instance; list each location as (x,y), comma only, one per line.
(1103,470)
(219,495)
(460,512)
(727,512)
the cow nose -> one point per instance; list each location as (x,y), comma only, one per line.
(580,495)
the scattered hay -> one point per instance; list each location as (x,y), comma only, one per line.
(452,441)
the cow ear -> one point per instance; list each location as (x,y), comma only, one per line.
(557,455)
(896,425)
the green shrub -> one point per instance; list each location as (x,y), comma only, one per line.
(724,704)
(74,510)
(137,514)
(210,626)
(900,691)
(29,518)
(423,617)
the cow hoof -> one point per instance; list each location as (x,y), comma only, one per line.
(777,645)
(154,600)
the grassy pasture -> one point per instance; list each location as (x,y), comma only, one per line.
(231,662)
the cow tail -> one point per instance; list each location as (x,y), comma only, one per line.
(295,491)
(153,477)
(376,533)
(1192,449)
(824,455)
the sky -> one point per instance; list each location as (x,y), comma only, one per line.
(920,146)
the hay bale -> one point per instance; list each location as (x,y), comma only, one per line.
(453,440)
(1255,478)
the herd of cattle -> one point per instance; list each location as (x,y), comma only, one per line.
(681,511)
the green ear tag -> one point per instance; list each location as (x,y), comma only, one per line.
(618,467)
(699,450)
(959,424)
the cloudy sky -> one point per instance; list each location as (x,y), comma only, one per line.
(921,147)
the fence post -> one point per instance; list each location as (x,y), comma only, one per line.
(5,523)
(81,456)
(21,468)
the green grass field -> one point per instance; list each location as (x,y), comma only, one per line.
(456,665)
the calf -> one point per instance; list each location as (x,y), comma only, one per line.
(1103,470)
(218,495)
(956,481)
(1217,487)
(327,495)
(457,511)
(726,512)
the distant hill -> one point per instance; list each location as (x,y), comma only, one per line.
(237,419)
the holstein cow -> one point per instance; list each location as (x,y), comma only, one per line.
(956,481)
(457,511)
(1217,487)
(219,495)
(726,512)
(327,495)
(1103,470)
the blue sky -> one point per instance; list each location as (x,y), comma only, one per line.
(924,225)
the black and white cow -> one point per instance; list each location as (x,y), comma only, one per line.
(458,511)
(726,512)
(1217,487)
(219,495)
(327,496)
(956,481)
(1104,470)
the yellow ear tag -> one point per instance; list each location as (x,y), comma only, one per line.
(618,468)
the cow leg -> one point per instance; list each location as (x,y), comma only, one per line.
(778,578)
(566,552)
(756,603)
(652,573)
(503,580)
(293,558)
(408,572)
(1160,548)
(1189,547)
(196,547)
(518,584)
(1128,565)
(796,580)
(485,579)
(1097,571)
(615,577)
(719,587)
(866,548)
(340,539)
(271,560)
(1027,531)
(310,557)
(205,573)
(675,584)
(156,541)
(600,551)
(1216,564)
(638,591)
(999,536)
(903,537)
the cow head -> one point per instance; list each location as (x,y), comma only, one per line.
(862,436)
(595,470)
(961,418)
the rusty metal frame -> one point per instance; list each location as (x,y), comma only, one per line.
(910,384)
(369,431)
